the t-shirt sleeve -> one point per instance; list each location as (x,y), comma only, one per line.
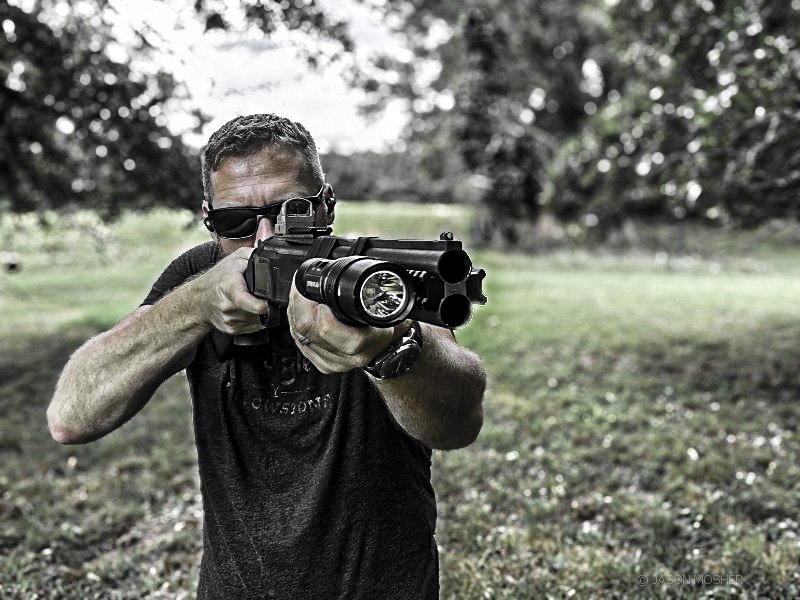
(187,265)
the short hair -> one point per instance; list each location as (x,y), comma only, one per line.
(249,134)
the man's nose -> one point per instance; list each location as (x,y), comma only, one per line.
(264,230)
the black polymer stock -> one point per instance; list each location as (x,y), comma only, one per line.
(441,282)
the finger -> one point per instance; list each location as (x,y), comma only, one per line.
(244,300)
(241,328)
(234,327)
(248,328)
(241,296)
(317,323)
(326,361)
(303,314)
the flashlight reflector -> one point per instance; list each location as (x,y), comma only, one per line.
(383,295)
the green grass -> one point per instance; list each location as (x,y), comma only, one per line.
(641,420)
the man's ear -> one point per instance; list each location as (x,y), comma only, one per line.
(207,221)
(330,203)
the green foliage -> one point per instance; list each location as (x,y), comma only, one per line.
(697,121)
(594,112)
(601,111)
(78,129)
(84,125)
(479,70)
(325,37)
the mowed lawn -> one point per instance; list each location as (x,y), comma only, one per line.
(640,438)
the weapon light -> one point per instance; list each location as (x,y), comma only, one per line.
(358,289)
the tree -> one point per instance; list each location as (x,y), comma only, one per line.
(497,87)
(701,124)
(323,38)
(79,128)
(597,112)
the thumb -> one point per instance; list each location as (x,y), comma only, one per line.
(244,300)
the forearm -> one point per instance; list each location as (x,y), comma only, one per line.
(113,375)
(440,400)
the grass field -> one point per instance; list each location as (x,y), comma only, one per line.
(641,435)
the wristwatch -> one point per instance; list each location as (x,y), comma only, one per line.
(399,356)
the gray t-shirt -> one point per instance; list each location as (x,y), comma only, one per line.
(310,488)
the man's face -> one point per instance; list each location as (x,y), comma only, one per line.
(266,177)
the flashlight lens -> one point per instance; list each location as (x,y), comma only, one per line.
(383,295)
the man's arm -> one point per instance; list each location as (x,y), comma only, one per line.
(113,375)
(439,401)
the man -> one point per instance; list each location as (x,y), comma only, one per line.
(315,473)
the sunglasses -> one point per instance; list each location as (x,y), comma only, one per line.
(241,222)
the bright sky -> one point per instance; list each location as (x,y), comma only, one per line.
(227,78)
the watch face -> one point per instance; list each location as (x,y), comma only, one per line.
(399,361)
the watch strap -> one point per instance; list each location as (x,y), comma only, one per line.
(399,356)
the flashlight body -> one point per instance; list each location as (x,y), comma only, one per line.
(359,290)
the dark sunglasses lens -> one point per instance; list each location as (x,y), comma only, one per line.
(241,223)
(235,223)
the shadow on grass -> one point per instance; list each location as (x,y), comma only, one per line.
(113,519)
(29,369)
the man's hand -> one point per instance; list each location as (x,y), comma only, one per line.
(231,308)
(331,345)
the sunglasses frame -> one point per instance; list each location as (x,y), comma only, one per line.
(270,211)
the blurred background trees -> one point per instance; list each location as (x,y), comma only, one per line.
(84,116)
(494,91)
(602,111)
(596,113)
(78,128)
(699,121)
